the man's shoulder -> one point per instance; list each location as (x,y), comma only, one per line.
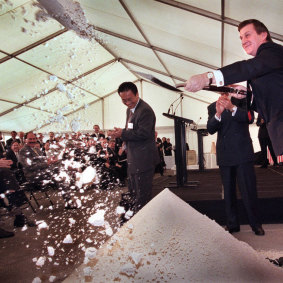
(270,46)
(211,106)
(24,149)
(143,105)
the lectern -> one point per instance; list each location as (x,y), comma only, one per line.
(180,152)
(200,133)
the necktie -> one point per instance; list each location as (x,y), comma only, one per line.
(129,119)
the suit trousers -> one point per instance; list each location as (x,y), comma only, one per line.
(244,176)
(264,143)
(140,188)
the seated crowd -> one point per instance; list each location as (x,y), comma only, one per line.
(67,163)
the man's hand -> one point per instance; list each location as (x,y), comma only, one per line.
(197,82)
(226,102)
(117,133)
(4,163)
(219,108)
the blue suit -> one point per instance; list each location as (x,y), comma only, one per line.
(235,156)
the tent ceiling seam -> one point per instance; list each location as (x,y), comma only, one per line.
(82,107)
(145,38)
(66,83)
(17,103)
(116,57)
(151,69)
(156,48)
(31,46)
(210,15)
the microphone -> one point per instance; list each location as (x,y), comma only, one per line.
(171,105)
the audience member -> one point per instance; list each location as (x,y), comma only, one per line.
(13,138)
(168,148)
(97,132)
(22,139)
(40,170)
(159,168)
(12,197)
(2,147)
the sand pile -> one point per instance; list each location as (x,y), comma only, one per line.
(169,241)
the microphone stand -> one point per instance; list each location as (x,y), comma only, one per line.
(181,98)
(171,105)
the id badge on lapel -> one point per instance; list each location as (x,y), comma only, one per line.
(130,125)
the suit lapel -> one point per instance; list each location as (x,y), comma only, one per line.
(227,117)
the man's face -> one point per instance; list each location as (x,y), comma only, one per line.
(21,135)
(96,128)
(51,136)
(112,144)
(91,142)
(13,134)
(251,40)
(31,140)
(15,147)
(104,143)
(129,99)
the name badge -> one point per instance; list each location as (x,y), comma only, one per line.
(130,125)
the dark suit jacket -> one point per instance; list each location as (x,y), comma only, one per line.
(234,144)
(265,72)
(2,149)
(262,131)
(12,156)
(32,163)
(142,154)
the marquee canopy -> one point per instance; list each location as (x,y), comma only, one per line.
(52,79)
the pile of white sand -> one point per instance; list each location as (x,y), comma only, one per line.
(169,241)
(67,12)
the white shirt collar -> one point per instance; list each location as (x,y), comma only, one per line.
(134,109)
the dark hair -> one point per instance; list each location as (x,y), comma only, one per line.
(14,142)
(259,27)
(128,86)
(26,134)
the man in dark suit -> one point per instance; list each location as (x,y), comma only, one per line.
(13,138)
(2,147)
(234,151)
(40,170)
(139,138)
(97,132)
(264,73)
(264,141)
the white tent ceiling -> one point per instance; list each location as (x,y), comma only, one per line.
(168,39)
